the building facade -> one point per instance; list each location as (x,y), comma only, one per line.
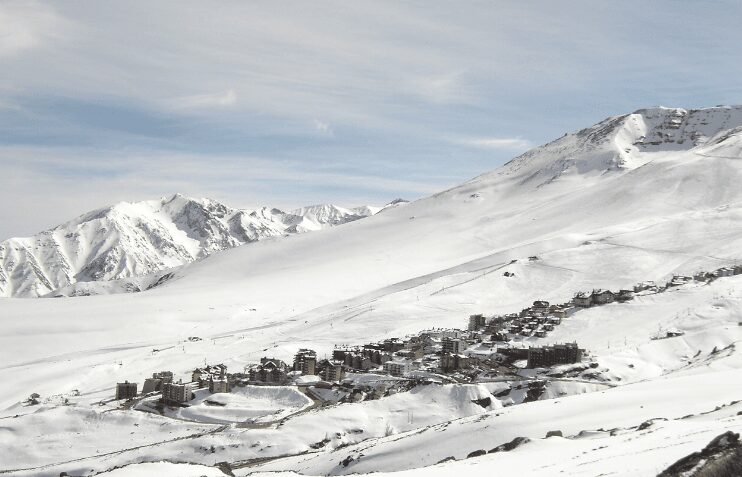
(305,361)
(178,392)
(270,370)
(398,368)
(219,386)
(476,322)
(331,370)
(546,356)
(126,390)
(582,300)
(453,345)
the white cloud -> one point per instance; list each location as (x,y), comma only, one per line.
(219,100)
(322,127)
(447,88)
(510,143)
(24,26)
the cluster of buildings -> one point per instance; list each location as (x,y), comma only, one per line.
(431,350)
(708,276)
(157,381)
(275,371)
(602,296)
(436,351)
(536,320)
(214,377)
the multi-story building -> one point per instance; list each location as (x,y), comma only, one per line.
(582,300)
(546,356)
(177,393)
(602,297)
(270,370)
(306,361)
(453,345)
(331,370)
(358,361)
(155,383)
(376,356)
(341,353)
(452,362)
(476,322)
(126,390)
(219,386)
(207,373)
(391,345)
(151,385)
(398,367)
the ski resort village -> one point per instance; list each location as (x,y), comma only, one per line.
(501,351)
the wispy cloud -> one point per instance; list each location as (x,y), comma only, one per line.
(68,182)
(219,100)
(508,143)
(323,127)
(27,25)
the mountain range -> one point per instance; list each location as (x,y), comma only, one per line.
(133,240)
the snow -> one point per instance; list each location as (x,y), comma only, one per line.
(164,468)
(128,241)
(634,198)
(625,452)
(243,404)
(623,407)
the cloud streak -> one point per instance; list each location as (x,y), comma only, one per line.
(53,175)
(507,143)
(220,100)
(28,25)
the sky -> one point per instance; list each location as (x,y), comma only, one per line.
(295,103)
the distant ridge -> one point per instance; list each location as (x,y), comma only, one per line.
(134,239)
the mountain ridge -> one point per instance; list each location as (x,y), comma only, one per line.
(134,239)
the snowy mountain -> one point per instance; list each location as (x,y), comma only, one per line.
(320,216)
(135,239)
(636,197)
(627,142)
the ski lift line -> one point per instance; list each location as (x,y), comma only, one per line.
(444,288)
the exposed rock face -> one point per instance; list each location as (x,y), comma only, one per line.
(514,444)
(722,457)
(617,143)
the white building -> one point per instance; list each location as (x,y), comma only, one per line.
(453,346)
(178,392)
(398,367)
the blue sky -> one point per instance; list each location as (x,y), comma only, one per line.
(293,103)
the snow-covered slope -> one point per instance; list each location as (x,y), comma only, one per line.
(626,142)
(633,198)
(315,217)
(135,239)
(673,206)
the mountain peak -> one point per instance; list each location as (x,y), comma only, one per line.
(621,143)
